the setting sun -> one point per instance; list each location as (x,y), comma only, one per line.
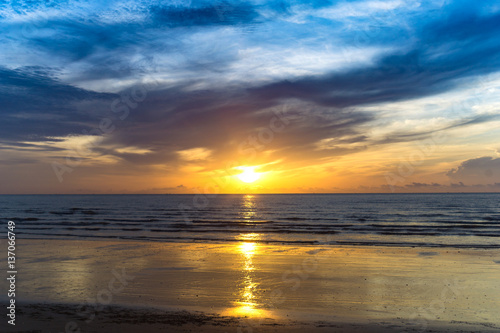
(248,175)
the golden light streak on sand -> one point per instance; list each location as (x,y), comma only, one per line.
(248,304)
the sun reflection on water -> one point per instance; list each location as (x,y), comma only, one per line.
(248,303)
(248,207)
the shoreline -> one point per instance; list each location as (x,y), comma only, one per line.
(58,317)
(337,244)
(280,287)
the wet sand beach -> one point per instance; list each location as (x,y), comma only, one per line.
(102,286)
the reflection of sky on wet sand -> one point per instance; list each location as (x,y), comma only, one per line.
(239,279)
(248,302)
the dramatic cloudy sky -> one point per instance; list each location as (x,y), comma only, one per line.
(144,96)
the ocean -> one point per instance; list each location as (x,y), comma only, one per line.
(407,220)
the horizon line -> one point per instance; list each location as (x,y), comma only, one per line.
(215,194)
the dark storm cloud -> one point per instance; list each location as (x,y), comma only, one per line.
(35,105)
(38,82)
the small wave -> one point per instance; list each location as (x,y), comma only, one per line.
(492,218)
(34,211)
(62,213)
(430,215)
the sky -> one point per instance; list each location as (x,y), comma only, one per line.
(181,96)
